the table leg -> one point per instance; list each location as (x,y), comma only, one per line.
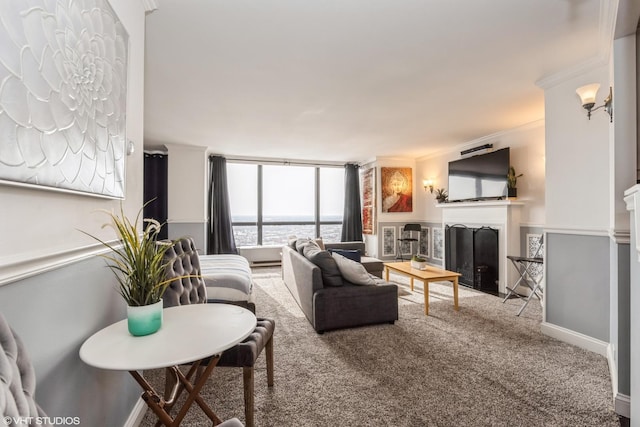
(426,297)
(152,399)
(411,282)
(455,293)
(162,408)
(386,272)
(194,393)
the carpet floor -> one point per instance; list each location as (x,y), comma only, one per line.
(480,366)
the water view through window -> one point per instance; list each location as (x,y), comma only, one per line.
(269,203)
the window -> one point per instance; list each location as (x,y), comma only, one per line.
(331,203)
(243,198)
(269,203)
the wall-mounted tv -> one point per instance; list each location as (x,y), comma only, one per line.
(479,177)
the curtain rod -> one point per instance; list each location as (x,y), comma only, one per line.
(282,162)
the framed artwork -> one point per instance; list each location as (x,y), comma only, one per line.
(396,185)
(389,241)
(535,247)
(437,243)
(423,242)
(64,97)
(369,201)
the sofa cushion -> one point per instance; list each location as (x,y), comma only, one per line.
(353,271)
(331,275)
(352,254)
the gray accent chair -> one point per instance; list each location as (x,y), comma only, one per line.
(182,262)
(17,378)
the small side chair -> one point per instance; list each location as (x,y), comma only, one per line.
(402,240)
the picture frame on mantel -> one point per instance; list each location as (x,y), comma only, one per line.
(64,128)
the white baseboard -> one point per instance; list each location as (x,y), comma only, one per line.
(137,414)
(575,338)
(621,402)
(622,405)
(613,369)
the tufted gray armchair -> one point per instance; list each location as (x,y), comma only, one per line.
(183,265)
(17,379)
(182,260)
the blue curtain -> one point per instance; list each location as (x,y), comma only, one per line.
(220,238)
(352,217)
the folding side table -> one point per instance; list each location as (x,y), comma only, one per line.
(189,334)
(525,268)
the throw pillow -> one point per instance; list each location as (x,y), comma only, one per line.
(331,275)
(352,254)
(291,241)
(352,271)
(301,243)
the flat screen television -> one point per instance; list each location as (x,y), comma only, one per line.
(479,177)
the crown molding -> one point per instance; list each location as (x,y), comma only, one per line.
(149,6)
(606,31)
(483,140)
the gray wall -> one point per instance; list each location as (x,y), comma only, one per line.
(634,325)
(577,283)
(54,313)
(620,333)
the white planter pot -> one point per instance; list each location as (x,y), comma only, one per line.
(419,265)
(145,319)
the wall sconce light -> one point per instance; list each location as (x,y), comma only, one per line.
(428,183)
(587,96)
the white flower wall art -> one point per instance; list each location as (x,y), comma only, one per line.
(63,89)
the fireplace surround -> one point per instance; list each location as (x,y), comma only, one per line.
(501,215)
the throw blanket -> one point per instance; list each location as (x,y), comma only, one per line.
(227,277)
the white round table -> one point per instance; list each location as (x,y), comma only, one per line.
(189,333)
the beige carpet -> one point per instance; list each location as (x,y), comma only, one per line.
(481,366)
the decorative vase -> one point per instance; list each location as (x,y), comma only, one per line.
(512,192)
(144,319)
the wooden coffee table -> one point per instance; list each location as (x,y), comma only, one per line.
(431,274)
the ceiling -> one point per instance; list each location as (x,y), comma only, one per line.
(349,80)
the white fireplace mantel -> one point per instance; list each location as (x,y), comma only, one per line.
(503,215)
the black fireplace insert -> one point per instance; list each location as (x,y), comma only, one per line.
(473,252)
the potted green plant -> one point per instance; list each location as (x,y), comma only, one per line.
(419,262)
(441,195)
(512,181)
(137,262)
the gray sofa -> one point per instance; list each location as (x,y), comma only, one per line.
(337,307)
